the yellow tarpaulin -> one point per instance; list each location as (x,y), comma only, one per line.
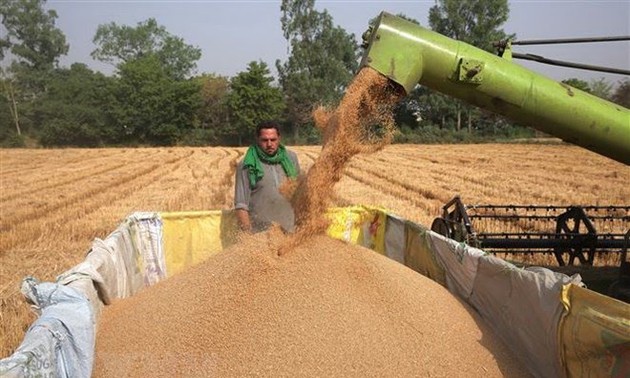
(594,334)
(359,225)
(192,237)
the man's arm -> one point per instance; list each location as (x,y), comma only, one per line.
(241,198)
(242,216)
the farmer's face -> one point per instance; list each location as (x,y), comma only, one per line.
(269,140)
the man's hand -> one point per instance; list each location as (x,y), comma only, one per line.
(243,220)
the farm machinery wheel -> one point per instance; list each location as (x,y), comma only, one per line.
(575,224)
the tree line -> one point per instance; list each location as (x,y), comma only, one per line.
(155,98)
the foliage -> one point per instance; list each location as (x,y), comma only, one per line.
(252,99)
(71,112)
(10,94)
(31,35)
(434,108)
(597,87)
(68,132)
(622,94)
(8,135)
(578,84)
(151,99)
(476,22)
(12,140)
(34,42)
(119,44)
(212,118)
(149,106)
(601,88)
(200,137)
(35,45)
(437,135)
(322,62)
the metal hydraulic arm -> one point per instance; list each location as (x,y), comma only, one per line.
(409,54)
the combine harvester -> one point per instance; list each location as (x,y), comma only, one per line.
(553,324)
(569,233)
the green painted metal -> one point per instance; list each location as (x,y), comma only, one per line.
(409,55)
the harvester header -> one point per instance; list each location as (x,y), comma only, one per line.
(409,54)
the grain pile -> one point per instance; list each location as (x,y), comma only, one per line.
(304,304)
(326,309)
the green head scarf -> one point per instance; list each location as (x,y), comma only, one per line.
(255,156)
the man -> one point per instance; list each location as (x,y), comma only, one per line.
(266,165)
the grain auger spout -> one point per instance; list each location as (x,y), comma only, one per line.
(409,54)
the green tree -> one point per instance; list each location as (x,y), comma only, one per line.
(476,22)
(31,35)
(149,106)
(35,45)
(9,135)
(212,121)
(577,84)
(601,88)
(322,61)
(119,44)
(253,99)
(621,95)
(71,111)
(434,109)
(10,95)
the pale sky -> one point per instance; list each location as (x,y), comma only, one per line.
(233,33)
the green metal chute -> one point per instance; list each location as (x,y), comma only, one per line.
(409,54)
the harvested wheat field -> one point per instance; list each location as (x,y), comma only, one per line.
(53,203)
(324,309)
